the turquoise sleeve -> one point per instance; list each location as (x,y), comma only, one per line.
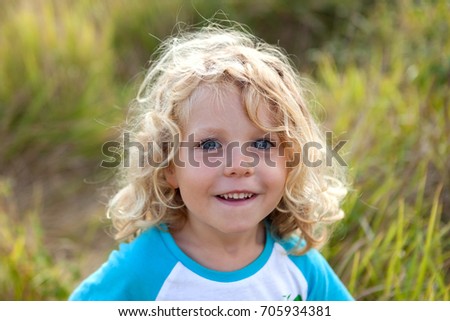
(323,283)
(105,284)
(136,271)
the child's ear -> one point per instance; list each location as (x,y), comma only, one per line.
(170,175)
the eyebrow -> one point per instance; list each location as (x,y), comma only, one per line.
(213,132)
(207,131)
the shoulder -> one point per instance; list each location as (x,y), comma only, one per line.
(310,262)
(323,283)
(123,275)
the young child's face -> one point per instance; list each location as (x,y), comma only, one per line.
(234,174)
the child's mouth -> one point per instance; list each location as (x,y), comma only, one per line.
(236,197)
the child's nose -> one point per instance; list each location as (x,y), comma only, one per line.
(239,162)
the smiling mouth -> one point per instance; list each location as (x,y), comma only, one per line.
(236,196)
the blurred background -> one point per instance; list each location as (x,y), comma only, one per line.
(381,75)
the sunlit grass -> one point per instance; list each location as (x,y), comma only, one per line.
(392,105)
(56,80)
(27,270)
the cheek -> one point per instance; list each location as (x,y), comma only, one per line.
(276,171)
(196,159)
(278,178)
(193,170)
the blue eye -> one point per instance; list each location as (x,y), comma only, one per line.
(209,145)
(263,144)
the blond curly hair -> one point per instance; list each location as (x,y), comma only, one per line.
(218,56)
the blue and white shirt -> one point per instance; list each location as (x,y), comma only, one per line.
(153,267)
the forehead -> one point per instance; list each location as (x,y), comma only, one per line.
(215,101)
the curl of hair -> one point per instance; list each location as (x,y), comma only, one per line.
(216,56)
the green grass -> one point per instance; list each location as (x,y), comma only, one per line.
(392,105)
(382,84)
(56,80)
(27,269)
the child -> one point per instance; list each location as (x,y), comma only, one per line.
(220,200)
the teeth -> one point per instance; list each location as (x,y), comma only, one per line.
(236,196)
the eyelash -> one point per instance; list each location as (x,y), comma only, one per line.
(209,140)
(270,143)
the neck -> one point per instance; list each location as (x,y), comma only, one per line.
(220,251)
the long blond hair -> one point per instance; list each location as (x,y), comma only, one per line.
(217,56)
